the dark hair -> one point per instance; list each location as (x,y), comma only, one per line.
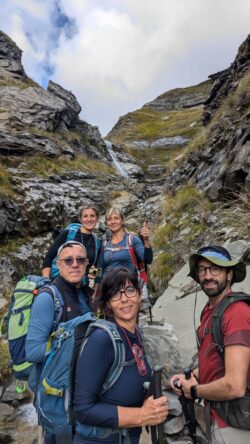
(88,207)
(113,281)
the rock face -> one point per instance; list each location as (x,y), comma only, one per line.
(52,163)
(10,58)
(227,81)
(176,99)
(32,119)
(223,163)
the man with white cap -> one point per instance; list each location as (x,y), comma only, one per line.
(222,378)
(75,300)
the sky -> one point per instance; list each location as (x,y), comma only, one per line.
(116,55)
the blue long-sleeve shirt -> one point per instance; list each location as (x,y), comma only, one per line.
(75,303)
(118,256)
(92,368)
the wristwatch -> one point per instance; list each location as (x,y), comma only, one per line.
(193,391)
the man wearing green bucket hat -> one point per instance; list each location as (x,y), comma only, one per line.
(222,378)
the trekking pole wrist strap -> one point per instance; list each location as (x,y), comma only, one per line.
(193,391)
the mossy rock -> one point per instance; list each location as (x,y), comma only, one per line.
(5,370)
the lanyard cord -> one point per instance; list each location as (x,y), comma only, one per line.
(139,360)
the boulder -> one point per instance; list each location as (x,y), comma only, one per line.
(161,345)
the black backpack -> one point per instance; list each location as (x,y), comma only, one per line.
(235,412)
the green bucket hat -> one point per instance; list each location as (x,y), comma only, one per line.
(218,255)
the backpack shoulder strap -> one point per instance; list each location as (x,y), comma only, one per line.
(119,351)
(131,250)
(139,265)
(217,317)
(98,244)
(73,228)
(104,244)
(58,302)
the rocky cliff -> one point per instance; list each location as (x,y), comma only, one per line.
(195,143)
(190,180)
(172,169)
(52,162)
(222,162)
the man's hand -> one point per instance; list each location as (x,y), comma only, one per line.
(181,385)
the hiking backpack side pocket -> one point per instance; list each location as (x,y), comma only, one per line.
(54,394)
(17,322)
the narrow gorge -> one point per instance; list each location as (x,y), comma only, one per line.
(182,162)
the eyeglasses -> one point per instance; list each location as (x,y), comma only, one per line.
(214,270)
(80,260)
(130,292)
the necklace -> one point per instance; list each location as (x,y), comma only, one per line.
(89,239)
(137,351)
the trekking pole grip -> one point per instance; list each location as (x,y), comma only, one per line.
(187,372)
(157,393)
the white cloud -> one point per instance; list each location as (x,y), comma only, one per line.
(125,52)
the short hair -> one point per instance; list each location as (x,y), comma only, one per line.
(113,281)
(71,244)
(114,210)
(88,207)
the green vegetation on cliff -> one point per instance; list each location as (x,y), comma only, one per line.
(46,167)
(185,219)
(173,114)
(150,124)
(43,166)
(6,189)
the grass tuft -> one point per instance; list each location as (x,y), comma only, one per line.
(43,166)
(6,188)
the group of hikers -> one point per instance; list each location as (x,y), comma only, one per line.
(109,402)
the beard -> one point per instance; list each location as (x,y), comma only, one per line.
(218,288)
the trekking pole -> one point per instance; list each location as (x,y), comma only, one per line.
(184,403)
(157,393)
(150,315)
(190,403)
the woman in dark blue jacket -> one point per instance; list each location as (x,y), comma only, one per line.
(83,233)
(118,414)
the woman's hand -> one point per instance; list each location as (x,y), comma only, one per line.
(144,232)
(154,411)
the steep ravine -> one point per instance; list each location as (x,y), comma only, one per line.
(189,180)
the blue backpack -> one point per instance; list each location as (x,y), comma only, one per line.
(18,318)
(73,228)
(56,386)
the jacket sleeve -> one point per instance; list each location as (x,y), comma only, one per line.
(144,255)
(40,326)
(148,255)
(52,251)
(89,408)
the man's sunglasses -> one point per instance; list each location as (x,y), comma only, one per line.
(80,260)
